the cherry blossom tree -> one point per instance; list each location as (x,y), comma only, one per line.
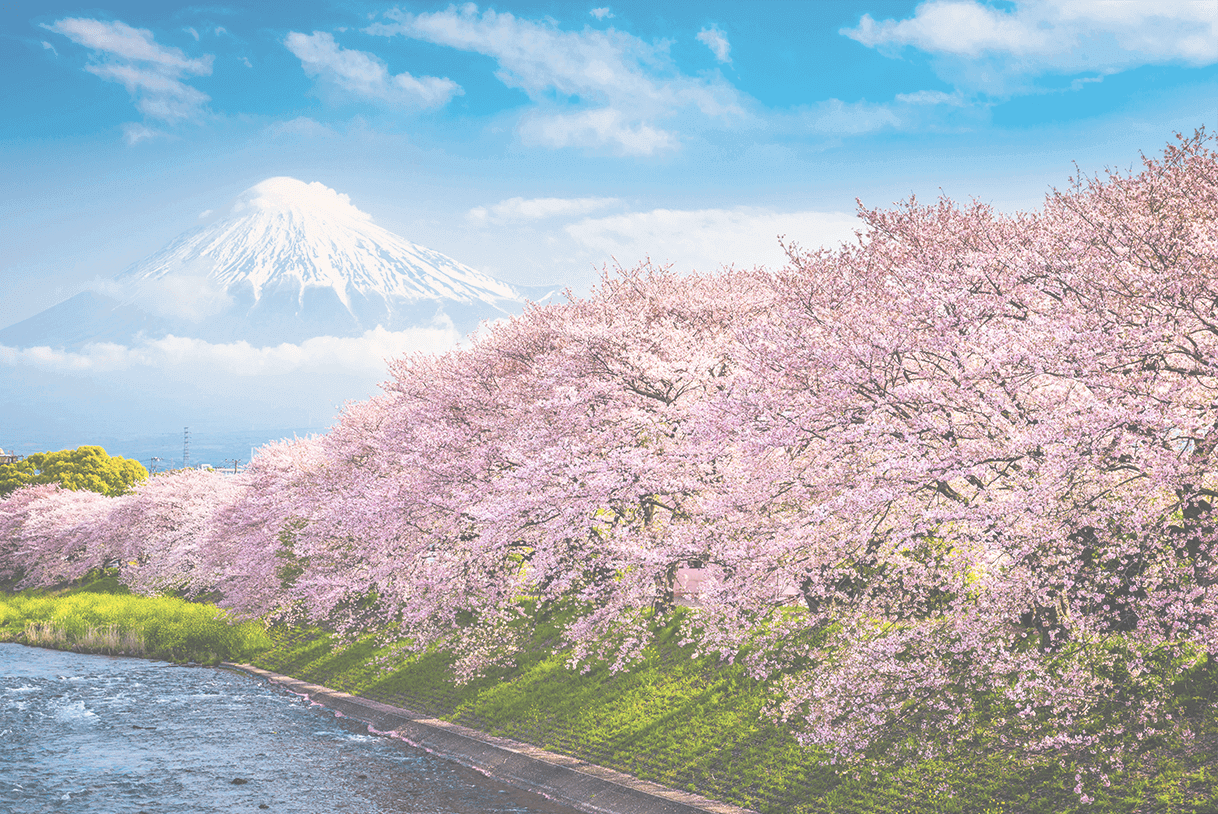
(52,535)
(982,448)
(14,510)
(162,531)
(249,547)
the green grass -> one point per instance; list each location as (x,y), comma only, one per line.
(698,724)
(102,617)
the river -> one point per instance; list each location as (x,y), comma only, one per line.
(107,735)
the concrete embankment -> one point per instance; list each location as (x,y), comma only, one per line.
(566,780)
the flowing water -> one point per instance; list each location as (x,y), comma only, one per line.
(104,735)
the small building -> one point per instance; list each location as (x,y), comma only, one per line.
(9,457)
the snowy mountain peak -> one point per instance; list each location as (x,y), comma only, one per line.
(284,194)
(289,236)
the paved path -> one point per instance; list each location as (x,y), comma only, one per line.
(572,782)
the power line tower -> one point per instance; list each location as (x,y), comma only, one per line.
(186,448)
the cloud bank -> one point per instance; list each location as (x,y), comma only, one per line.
(320,355)
(595,89)
(707,239)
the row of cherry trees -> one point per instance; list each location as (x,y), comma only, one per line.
(952,480)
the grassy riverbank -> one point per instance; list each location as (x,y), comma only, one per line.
(103,617)
(688,723)
(700,725)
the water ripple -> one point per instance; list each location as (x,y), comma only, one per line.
(84,734)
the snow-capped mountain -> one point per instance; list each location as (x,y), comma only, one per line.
(290,261)
(254,325)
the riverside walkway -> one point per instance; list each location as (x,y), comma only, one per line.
(566,780)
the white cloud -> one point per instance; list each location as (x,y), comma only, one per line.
(907,112)
(366,75)
(995,50)
(601,13)
(525,209)
(931,97)
(121,40)
(300,126)
(187,293)
(590,88)
(708,239)
(192,296)
(320,355)
(714,39)
(1079,82)
(192,33)
(833,117)
(606,127)
(46,46)
(158,96)
(134,132)
(283,192)
(152,73)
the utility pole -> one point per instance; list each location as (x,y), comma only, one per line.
(234,462)
(186,448)
(152,464)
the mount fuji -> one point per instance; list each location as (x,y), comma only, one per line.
(290,261)
(256,324)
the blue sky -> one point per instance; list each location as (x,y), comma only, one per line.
(536,141)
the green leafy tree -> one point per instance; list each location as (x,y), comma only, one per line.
(84,468)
